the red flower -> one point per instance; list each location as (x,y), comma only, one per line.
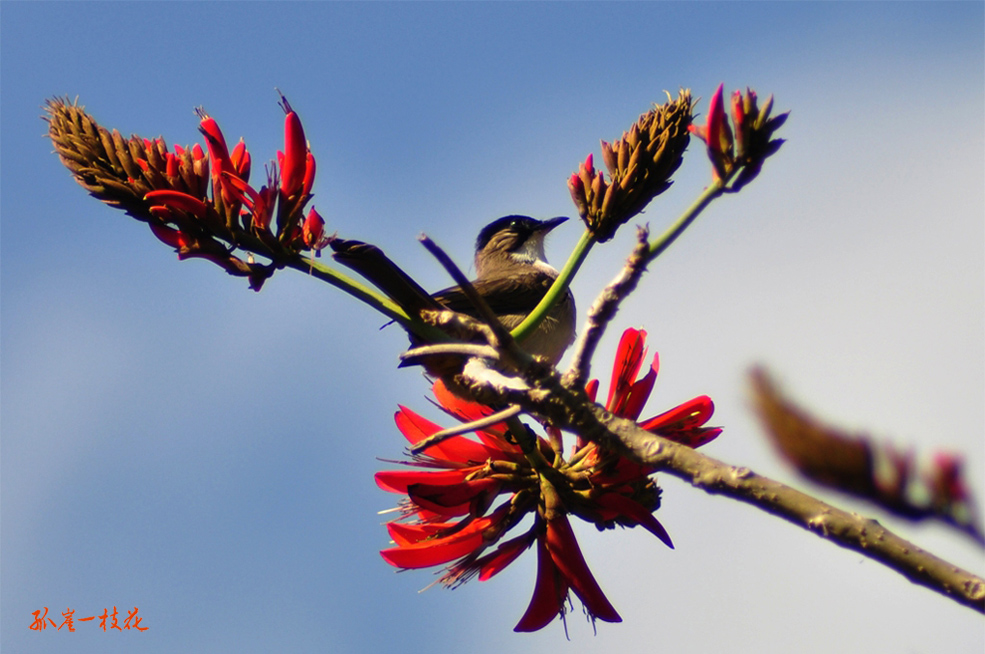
(463,495)
(222,162)
(313,231)
(682,424)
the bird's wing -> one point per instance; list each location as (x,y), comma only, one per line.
(517,294)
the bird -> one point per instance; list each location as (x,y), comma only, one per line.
(512,276)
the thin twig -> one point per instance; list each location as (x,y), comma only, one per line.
(417,354)
(475,425)
(604,309)
(486,314)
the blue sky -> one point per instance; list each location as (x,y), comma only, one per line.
(176,442)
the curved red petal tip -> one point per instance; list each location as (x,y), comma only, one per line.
(630,508)
(309,174)
(567,556)
(504,555)
(590,164)
(690,415)
(413,426)
(549,593)
(167,235)
(592,389)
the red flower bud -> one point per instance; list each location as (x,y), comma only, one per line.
(241,161)
(313,230)
(172,165)
(294,162)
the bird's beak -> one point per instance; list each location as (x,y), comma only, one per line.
(548,225)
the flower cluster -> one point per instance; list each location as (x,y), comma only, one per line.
(171,190)
(450,515)
(640,165)
(752,141)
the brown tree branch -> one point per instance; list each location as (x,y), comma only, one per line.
(570,409)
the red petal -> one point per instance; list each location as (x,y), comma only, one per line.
(294,163)
(450,495)
(178,200)
(398,481)
(242,190)
(457,449)
(434,552)
(492,564)
(639,393)
(629,508)
(467,411)
(549,593)
(309,174)
(404,534)
(216,144)
(444,549)
(172,164)
(716,119)
(568,558)
(241,160)
(629,356)
(689,415)
(167,235)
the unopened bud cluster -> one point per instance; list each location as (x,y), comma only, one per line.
(752,141)
(640,165)
(171,190)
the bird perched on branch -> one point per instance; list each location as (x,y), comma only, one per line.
(512,276)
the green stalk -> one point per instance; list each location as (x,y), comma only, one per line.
(557,290)
(660,244)
(528,446)
(369,296)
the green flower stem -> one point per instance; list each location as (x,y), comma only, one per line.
(557,290)
(373,298)
(660,244)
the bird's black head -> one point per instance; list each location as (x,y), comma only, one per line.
(517,228)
